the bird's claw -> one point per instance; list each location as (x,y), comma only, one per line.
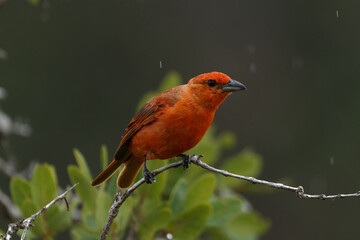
(187,159)
(148,175)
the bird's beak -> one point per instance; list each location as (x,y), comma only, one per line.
(233,86)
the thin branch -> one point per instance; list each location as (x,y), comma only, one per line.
(26,224)
(299,191)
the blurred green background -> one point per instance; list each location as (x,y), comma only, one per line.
(77,69)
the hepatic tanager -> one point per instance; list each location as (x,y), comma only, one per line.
(169,124)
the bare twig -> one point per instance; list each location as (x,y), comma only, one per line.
(26,224)
(299,191)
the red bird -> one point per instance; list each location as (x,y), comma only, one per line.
(168,125)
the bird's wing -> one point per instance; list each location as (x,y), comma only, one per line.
(145,116)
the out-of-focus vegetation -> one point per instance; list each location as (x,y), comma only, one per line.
(76,70)
(191,204)
(31,196)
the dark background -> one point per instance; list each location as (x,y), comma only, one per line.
(77,71)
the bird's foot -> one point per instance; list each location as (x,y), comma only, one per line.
(148,176)
(187,159)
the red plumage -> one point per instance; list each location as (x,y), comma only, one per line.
(169,124)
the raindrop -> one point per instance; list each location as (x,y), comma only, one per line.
(252,68)
(169,236)
(337,13)
(3,54)
(3,93)
(160,64)
(332,161)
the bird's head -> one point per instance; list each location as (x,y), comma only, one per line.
(211,89)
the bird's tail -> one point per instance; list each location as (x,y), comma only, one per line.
(107,173)
(129,172)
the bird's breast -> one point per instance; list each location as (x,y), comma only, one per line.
(175,131)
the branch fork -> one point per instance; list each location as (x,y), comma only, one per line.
(25,224)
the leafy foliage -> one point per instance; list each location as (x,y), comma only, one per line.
(31,196)
(34,2)
(187,204)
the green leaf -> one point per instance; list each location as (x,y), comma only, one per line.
(171,79)
(20,191)
(103,203)
(44,190)
(246,226)
(174,175)
(34,2)
(89,220)
(177,196)
(79,233)
(104,156)
(86,192)
(81,162)
(224,209)
(248,223)
(201,190)
(190,223)
(43,185)
(39,229)
(217,233)
(111,185)
(246,163)
(151,193)
(154,222)
(59,221)
(227,140)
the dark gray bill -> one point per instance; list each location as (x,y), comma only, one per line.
(233,86)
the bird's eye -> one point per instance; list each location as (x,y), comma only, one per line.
(211,83)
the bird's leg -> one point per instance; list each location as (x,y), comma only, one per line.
(186,160)
(148,176)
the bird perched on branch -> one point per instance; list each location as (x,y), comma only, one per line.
(168,125)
